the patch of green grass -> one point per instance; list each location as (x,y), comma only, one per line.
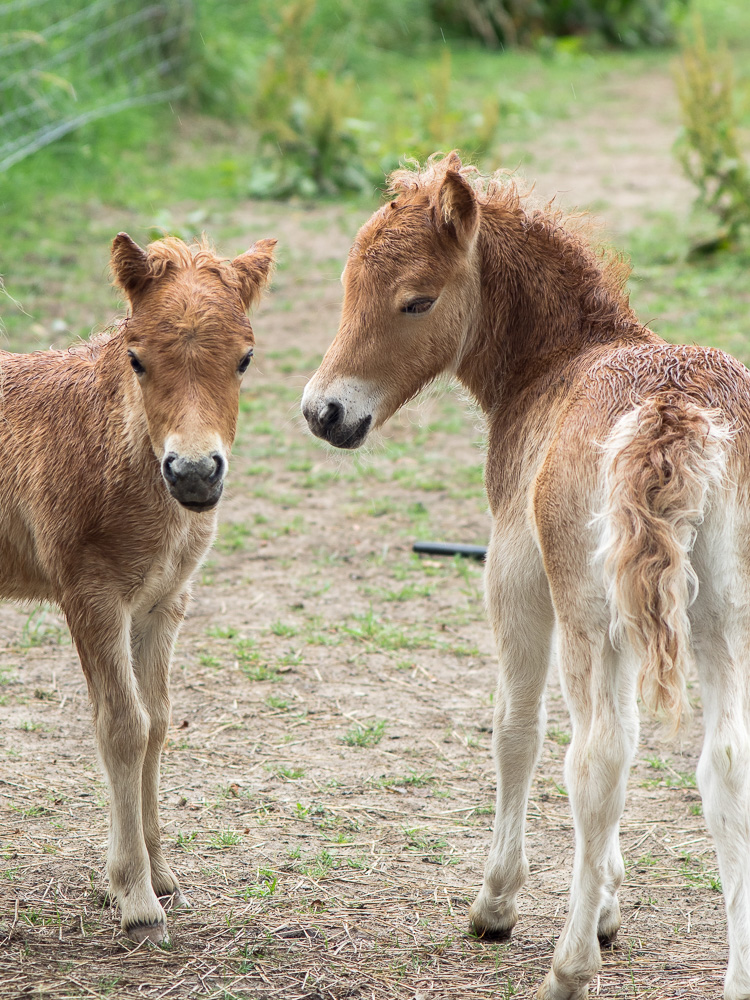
(283,628)
(435,850)
(222,632)
(233,536)
(27,726)
(670,778)
(292,658)
(289,773)
(41,629)
(264,887)
(107,984)
(560,736)
(183,840)
(696,872)
(409,592)
(250,662)
(34,811)
(414,779)
(320,866)
(224,839)
(368,735)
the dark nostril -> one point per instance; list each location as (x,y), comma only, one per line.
(219,468)
(332,414)
(167,469)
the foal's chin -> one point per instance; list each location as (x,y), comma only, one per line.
(345,437)
(198,506)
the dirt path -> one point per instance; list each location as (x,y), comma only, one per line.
(327,785)
(617,160)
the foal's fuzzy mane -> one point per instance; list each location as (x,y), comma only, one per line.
(603,268)
(499,187)
(171,253)
(165,256)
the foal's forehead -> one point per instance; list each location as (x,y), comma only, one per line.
(194,310)
(398,240)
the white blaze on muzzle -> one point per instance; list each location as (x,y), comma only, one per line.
(341,412)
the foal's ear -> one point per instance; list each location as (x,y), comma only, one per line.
(130,265)
(254,269)
(458,207)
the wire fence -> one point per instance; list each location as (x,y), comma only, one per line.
(64,63)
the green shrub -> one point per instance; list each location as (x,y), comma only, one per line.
(305,115)
(708,147)
(512,22)
(440,123)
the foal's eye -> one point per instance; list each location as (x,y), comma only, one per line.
(243,365)
(417,306)
(135,363)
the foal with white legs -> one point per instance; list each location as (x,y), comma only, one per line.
(617,474)
(116,452)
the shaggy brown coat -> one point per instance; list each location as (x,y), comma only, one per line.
(115,455)
(617,474)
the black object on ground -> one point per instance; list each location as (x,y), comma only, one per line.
(450,549)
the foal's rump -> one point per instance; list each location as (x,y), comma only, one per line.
(664,466)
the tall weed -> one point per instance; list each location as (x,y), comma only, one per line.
(440,123)
(305,115)
(708,147)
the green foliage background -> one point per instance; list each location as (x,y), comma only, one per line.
(325,110)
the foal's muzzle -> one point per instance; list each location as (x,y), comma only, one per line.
(196,482)
(328,420)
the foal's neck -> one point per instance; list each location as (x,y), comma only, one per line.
(546,299)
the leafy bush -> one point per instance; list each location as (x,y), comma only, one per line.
(305,108)
(708,147)
(511,22)
(304,114)
(438,122)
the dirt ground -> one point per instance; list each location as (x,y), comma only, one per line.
(327,786)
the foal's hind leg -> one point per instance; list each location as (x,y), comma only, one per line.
(724,780)
(153,638)
(600,690)
(121,725)
(521,613)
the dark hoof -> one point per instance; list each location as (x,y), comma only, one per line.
(493,935)
(607,940)
(153,933)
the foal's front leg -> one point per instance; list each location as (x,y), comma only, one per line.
(153,638)
(101,631)
(519,606)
